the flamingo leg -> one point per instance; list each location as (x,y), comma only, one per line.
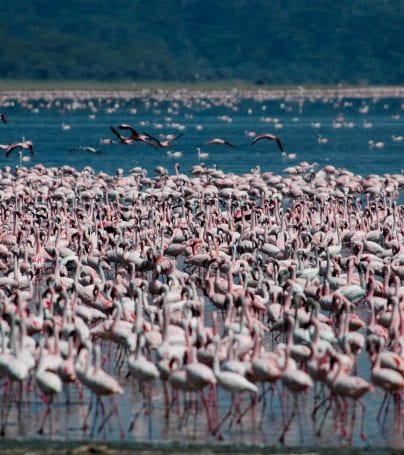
(353,418)
(386,411)
(115,411)
(106,417)
(362,427)
(205,404)
(90,405)
(320,428)
(166,401)
(300,420)
(228,414)
(379,413)
(318,406)
(253,402)
(46,413)
(97,408)
(6,407)
(184,417)
(288,423)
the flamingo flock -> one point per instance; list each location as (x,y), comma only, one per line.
(263,287)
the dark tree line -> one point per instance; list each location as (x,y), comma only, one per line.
(260,41)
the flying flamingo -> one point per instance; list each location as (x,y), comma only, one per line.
(122,139)
(166,143)
(24,145)
(218,141)
(270,137)
(135,136)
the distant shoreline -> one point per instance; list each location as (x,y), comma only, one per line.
(88,89)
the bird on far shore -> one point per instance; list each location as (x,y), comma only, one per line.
(219,141)
(270,137)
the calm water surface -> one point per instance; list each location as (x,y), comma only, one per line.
(347,123)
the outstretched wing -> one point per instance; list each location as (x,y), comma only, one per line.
(220,142)
(4,119)
(170,141)
(125,126)
(230,144)
(152,140)
(116,132)
(270,137)
(11,148)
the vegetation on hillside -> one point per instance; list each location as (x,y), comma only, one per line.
(260,41)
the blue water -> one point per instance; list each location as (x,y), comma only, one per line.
(206,117)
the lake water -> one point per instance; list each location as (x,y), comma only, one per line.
(303,121)
(347,123)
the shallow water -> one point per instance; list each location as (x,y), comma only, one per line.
(298,122)
(187,423)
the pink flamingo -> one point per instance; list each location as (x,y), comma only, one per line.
(353,387)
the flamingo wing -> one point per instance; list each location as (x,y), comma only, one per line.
(116,132)
(270,137)
(174,138)
(125,126)
(11,148)
(152,140)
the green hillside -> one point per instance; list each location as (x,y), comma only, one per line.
(259,41)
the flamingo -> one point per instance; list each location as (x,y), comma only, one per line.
(219,141)
(100,383)
(297,381)
(353,387)
(232,382)
(388,379)
(49,384)
(24,145)
(201,155)
(165,143)
(270,137)
(122,139)
(135,136)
